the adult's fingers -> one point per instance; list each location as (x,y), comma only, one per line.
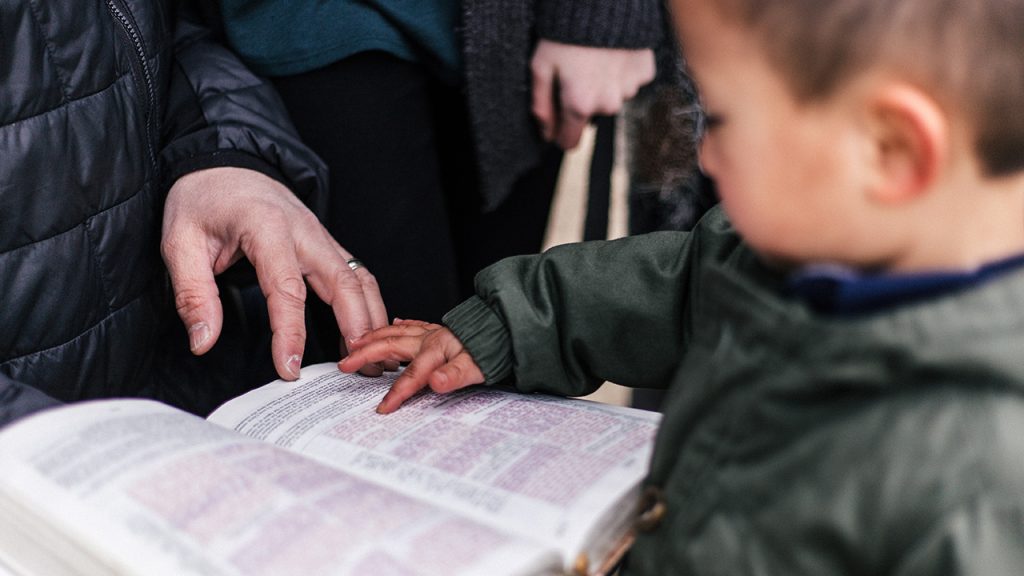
(195,292)
(324,264)
(648,68)
(543,96)
(355,299)
(371,295)
(349,289)
(571,124)
(280,278)
(372,299)
(378,317)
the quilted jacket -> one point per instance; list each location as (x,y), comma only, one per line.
(103,103)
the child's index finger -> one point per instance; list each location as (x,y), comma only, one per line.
(405,387)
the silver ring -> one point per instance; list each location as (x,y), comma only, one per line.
(355,264)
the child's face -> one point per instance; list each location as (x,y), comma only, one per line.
(786,172)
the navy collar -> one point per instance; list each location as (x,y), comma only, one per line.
(832,289)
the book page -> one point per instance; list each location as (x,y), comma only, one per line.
(544,467)
(163,492)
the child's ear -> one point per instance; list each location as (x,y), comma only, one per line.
(910,134)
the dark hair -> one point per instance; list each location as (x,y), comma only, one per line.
(968,54)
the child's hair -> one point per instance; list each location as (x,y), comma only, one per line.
(968,55)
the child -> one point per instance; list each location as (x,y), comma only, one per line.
(847,381)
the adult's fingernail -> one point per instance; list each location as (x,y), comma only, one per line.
(294,364)
(198,334)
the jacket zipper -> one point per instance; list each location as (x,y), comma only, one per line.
(140,68)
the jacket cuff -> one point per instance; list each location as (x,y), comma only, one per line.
(484,335)
(221,158)
(631,24)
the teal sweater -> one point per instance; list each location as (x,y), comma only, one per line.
(282,37)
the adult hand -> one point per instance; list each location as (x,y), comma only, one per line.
(573,83)
(438,360)
(214,217)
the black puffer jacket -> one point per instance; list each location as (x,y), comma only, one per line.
(103,103)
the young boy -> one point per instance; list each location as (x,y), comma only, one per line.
(847,380)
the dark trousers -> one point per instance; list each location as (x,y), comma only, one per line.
(404,196)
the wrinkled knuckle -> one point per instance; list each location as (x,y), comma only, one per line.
(339,276)
(291,289)
(367,280)
(187,301)
(347,281)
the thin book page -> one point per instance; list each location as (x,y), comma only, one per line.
(161,492)
(540,466)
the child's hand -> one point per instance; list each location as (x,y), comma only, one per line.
(438,359)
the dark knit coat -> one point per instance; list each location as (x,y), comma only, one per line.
(498,41)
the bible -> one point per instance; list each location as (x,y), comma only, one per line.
(305,477)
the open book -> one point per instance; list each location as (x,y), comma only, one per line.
(306,478)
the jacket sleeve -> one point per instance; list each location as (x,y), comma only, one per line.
(17,400)
(218,113)
(605,23)
(569,319)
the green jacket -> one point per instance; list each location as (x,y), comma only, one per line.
(792,443)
